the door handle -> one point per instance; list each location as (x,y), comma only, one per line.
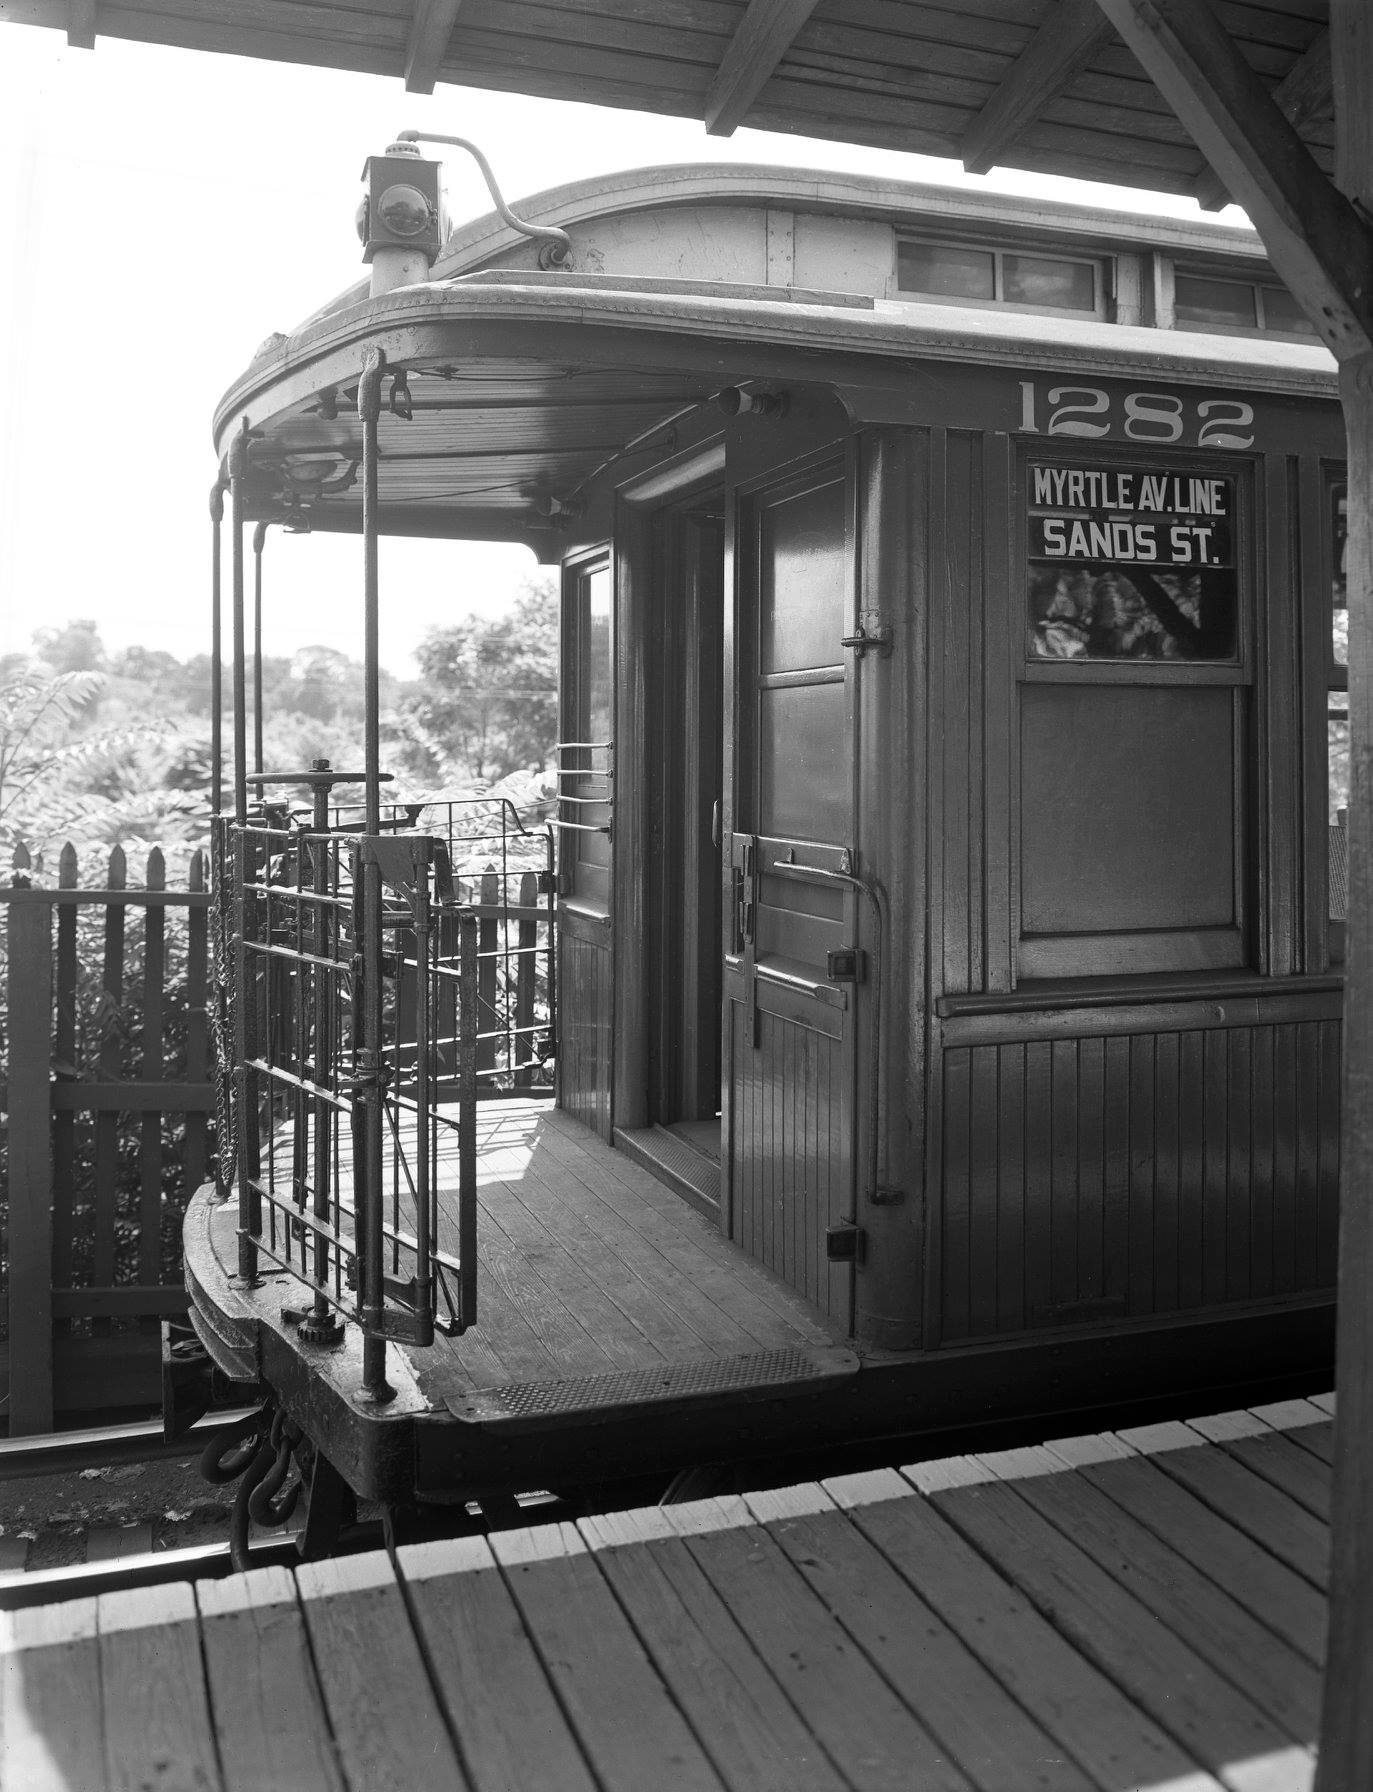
(715,824)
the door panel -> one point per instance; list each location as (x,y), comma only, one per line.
(789,1033)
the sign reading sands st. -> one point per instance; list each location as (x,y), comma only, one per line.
(1130,514)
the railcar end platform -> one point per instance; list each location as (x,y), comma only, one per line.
(620,1335)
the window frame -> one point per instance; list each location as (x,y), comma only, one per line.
(998,250)
(1039,960)
(1255,285)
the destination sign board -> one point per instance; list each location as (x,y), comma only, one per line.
(1129,514)
(1130,562)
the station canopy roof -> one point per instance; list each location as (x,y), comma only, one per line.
(1044,85)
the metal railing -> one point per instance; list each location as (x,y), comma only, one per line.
(503,873)
(353,1000)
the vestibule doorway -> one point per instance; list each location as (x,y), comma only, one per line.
(684,893)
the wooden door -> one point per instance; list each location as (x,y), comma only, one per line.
(788,995)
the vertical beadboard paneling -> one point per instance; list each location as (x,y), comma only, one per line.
(1009,1135)
(585,1029)
(1092,1179)
(793,1153)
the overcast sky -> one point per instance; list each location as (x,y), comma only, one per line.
(164,212)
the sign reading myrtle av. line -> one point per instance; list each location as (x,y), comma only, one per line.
(1128,514)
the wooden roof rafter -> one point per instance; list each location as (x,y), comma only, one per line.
(766,32)
(1062,46)
(431,27)
(81,24)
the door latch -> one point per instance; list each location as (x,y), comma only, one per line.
(844,1243)
(865,640)
(847,964)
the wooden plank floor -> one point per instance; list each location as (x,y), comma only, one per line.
(1136,1610)
(588,1267)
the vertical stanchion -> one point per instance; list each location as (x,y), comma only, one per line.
(322,1326)
(245,1008)
(216,648)
(467,1117)
(259,541)
(368,1185)
(425,1220)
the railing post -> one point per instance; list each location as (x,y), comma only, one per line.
(526,967)
(29,929)
(488,949)
(368,1194)
(467,1117)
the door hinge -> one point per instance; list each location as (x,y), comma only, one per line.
(847,964)
(844,1243)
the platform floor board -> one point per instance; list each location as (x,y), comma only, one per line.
(1074,1617)
(588,1267)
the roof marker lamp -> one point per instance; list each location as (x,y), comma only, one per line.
(402,405)
(400,219)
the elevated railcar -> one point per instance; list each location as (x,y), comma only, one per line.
(948,896)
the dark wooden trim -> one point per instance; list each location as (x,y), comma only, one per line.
(1276,751)
(1107,992)
(1305,92)
(1063,44)
(430,29)
(1346,1743)
(636,716)
(764,36)
(1022,1025)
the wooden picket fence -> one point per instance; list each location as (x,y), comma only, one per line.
(109,1108)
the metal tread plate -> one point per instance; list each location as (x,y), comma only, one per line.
(708,1381)
(671,1159)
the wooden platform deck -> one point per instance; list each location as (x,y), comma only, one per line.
(1119,1612)
(587,1266)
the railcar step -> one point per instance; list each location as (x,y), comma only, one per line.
(534,1405)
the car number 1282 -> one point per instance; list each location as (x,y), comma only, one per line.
(1137,416)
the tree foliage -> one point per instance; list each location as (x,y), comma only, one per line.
(114,747)
(487,700)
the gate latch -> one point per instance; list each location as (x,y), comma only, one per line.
(847,964)
(844,1242)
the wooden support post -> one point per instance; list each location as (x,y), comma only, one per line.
(30,1192)
(1346,1751)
